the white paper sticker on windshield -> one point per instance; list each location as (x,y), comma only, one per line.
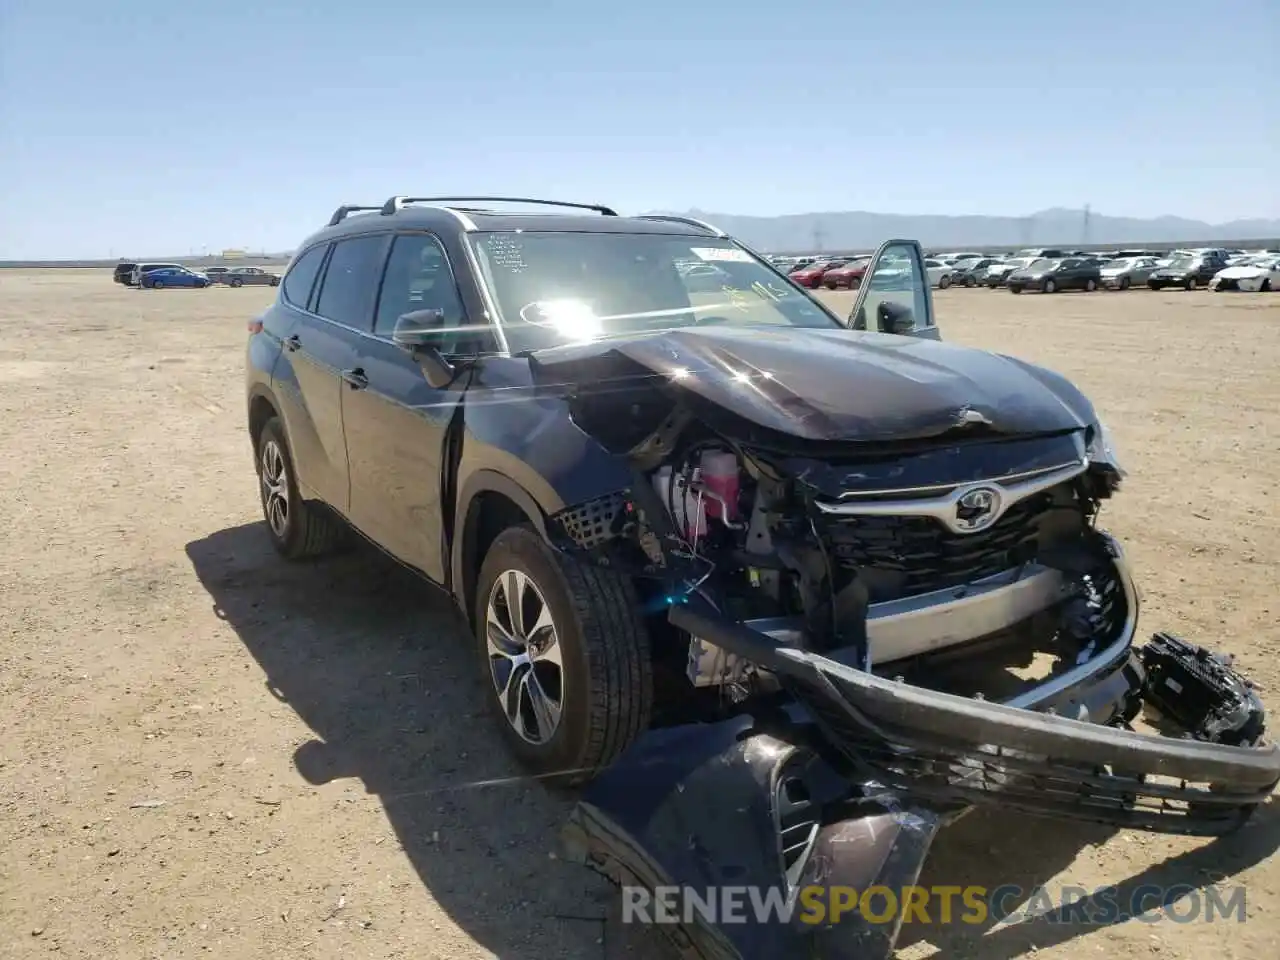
(722,254)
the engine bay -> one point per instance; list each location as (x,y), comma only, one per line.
(858,552)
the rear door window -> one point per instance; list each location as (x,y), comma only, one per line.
(351,279)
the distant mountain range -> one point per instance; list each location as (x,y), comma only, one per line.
(860,230)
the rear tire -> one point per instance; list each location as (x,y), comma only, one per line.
(157,284)
(944,281)
(235,282)
(1191,283)
(1090,285)
(1050,286)
(1124,283)
(298,530)
(605,671)
(1266,285)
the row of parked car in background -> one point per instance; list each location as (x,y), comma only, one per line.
(157,276)
(1049,270)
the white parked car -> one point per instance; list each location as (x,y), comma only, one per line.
(1259,276)
(939,273)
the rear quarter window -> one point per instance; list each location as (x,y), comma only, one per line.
(302,276)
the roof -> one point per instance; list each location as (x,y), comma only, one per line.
(467,215)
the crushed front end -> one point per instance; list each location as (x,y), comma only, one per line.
(931,616)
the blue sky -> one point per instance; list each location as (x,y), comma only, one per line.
(130,128)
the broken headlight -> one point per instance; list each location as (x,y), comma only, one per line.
(1102,450)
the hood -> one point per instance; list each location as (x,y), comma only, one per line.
(828,385)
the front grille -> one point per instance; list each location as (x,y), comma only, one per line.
(902,556)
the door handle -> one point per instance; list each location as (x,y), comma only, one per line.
(356,379)
(292,343)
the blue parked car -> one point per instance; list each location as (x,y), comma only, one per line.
(173,277)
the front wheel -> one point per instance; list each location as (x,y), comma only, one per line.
(1090,285)
(235,282)
(157,284)
(1191,283)
(1124,283)
(1151,284)
(1050,286)
(565,657)
(944,281)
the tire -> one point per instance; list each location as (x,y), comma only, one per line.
(1013,289)
(1050,286)
(275,281)
(944,281)
(235,282)
(605,679)
(157,284)
(1090,285)
(1266,285)
(970,282)
(1124,283)
(304,531)
(1155,286)
(1191,283)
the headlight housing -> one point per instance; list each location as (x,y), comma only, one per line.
(1102,450)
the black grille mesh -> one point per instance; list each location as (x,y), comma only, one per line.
(906,555)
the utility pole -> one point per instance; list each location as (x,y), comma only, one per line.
(818,236)
(1084,239)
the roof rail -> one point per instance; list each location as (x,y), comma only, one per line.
(341,213)
(395,204)
(710,228)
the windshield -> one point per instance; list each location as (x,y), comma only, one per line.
(560,287)
(1042,264)
(1182,263)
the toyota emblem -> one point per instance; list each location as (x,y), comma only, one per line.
(977,509)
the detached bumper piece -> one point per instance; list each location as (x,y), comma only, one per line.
(939,748)
(699,815)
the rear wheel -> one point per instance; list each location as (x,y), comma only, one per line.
(1090,285)
(944,281)
(1124,283)
(235,282)
(157,284)
(1266,285)
(298,530)
(564,656)
(1191,283)
(1050,286)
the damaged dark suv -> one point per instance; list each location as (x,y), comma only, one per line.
(665,502)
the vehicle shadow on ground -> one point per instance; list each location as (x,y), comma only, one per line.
(379,666)
(992,849)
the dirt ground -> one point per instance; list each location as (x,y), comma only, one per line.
(207,752)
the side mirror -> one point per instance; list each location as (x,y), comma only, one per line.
(418,334)
(896,318)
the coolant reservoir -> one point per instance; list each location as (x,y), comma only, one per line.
(688,509)
(719,470)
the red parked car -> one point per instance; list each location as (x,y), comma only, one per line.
(811,276)
(850,275)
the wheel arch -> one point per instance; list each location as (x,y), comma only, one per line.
(262,407)
(488,503)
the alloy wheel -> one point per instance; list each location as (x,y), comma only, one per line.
(275,488)
(525,659)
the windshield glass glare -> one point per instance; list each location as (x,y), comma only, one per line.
(553,288)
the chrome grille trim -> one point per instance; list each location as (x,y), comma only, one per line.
(944,508)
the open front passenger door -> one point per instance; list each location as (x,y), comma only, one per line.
(895,295)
